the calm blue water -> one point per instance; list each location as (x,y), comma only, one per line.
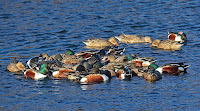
(31,27)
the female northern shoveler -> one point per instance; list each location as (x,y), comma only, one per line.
(133,39)
(101,42)
(152,76)
(180,37)
(173,68)
(16,66)
(166,44)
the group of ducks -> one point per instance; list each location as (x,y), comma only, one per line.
(172,43)
(94,66)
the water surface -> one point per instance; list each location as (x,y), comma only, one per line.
(31,27)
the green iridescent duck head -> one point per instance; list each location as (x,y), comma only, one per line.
(69,52)
(154,66)
(44,69)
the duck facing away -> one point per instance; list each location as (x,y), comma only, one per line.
(101,42)
(166,44)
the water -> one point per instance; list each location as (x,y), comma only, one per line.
(31,27)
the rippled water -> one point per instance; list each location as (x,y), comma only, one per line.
(31,27)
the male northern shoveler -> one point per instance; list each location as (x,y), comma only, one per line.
(180,37)
(101,42)
(62,73)
(69,52)
(173,68)
(115,51)
(142,61)
(16,66)
(33,62)
(166,44)
(133,39)
(96,78)
(124,73)
(34,74)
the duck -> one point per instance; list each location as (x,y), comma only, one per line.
(108,58)
(34,74)
(124,73)
(96,78)
(71,59)
(180,37)
(33,62)
(62,73)
(56,57)
(115,51)
(152,75)
(129,39)
(166,44)
(173,68)
(100,42)
(16,66)
(142,61)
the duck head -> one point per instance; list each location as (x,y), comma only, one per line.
(113,41)
(183,36)
(155,43)
(69,52)
(21,66)
(148,39)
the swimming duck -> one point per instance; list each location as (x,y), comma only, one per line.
(91,52)
(166,44)
(129,39)
(56,57)
(62,73)
(152,75)
(16,66)
(124,73)
(142,61)
(71,59)
(96,78)
(173,68)
(115,51)
(34,74)
(101,42)
(109,58)
(33,62)
(180,37)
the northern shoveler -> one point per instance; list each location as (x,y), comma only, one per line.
(142,61)
(16,66)
(173,68)
(133,39)
(34,74)
(180,37)
(96,78)
(62,73)
(101,42)
(166,44)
